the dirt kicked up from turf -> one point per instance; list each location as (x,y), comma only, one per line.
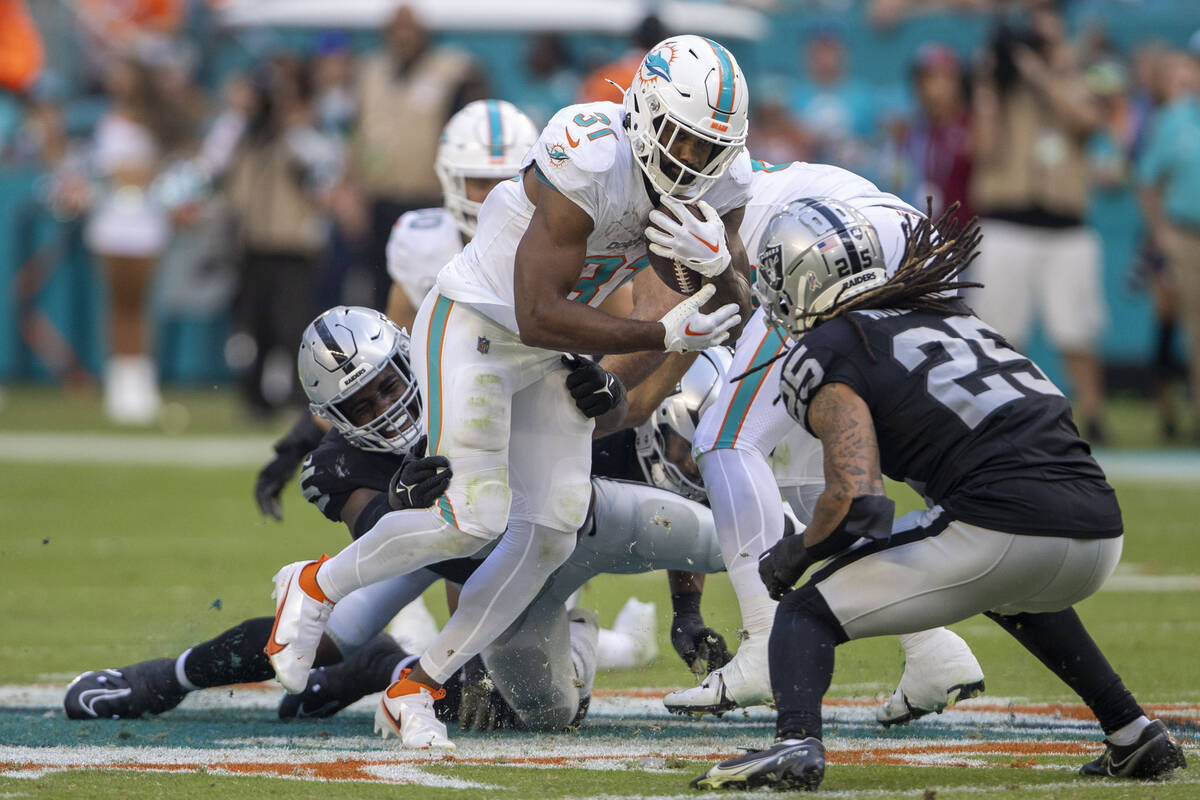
(235,732)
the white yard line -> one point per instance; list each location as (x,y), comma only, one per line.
(133,450)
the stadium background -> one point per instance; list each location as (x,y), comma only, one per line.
(51,309)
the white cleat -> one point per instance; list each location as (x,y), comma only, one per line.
(939,670)
(299,623)
(745,681)
(640,622)
(406,711)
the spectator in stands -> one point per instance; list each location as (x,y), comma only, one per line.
(405,95)
(1033,115)
(127,230)
(1169,176)
(886,14)
(276,185)
(1148,269)
(336,108)
(596,86)
(836,109)
(937,144)
(776,136)
(550,81)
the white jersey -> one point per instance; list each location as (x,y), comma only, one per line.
(420,244)
(584,154)
(774,186)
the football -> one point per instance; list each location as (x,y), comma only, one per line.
(682,279)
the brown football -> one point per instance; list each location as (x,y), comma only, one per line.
(682,279)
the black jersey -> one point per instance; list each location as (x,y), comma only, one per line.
(615,456)
(968,421)
(332,472)
(336,468)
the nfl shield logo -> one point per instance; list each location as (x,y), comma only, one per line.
(483,345)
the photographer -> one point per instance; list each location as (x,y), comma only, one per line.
(1032,118)
(281,171)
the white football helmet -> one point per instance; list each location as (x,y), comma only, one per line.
(694,85)
(680,413)
(815,253)
(342,352)
(485,139)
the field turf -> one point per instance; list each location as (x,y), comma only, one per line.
(107,561)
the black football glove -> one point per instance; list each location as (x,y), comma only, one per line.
(480,705)
(700,647)
(420,481)
(782,564)
(596,390)
(304,436)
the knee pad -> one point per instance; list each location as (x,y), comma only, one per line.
(807,601)
(570,496)
(480,409)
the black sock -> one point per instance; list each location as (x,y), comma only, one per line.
(235,656)
(800,653)
(1060,641)
(372,664)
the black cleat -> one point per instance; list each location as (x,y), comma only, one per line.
(148,687)
(798,765)
(1153,755)
(332,688)
(328,692)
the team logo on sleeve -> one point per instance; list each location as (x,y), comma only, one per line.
(557,153)
(657,64)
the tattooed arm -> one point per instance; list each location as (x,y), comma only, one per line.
(842,421)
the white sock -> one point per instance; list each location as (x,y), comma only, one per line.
(404,664)
(181,675)
(399,543)
(614,650)
(496,593)
(748,513)
(1128,734)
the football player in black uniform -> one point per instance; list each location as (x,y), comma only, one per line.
(356,475)
(898,377)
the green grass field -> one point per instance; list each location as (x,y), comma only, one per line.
(108,564)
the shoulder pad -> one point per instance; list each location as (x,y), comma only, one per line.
(419,237)
(574,150)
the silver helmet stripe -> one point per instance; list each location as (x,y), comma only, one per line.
(839,226)
(331,344)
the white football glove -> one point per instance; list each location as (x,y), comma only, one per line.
(688,329)
(698,244)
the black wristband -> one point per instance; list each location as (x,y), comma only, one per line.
(685,603)
(869,516)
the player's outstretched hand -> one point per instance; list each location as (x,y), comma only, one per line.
(290,451)
(700,647)
(420,481)
(688,328)
(596,390)
(697,243)
(782,564)
(480,705)
(275,475)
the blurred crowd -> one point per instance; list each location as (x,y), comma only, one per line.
(273,194)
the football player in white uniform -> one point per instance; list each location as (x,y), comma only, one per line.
(487,353)
(481,145)
(746,442)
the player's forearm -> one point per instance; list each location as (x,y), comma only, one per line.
(685,582)
(556,323)
(733,286)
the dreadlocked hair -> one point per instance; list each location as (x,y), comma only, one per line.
(935,253)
